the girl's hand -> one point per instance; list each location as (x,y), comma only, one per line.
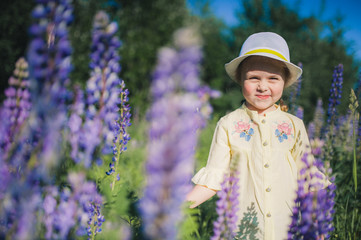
(199,194)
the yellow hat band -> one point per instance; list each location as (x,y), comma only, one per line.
(267,51)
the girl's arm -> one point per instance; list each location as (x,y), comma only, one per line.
(199,194)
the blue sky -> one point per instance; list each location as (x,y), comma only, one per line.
(350,9)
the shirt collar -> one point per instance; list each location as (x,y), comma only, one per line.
(255,116)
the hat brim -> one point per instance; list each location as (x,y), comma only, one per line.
(295,71)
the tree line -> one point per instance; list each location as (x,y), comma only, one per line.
(145,26)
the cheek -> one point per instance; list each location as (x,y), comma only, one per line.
(280,87)
(247,89)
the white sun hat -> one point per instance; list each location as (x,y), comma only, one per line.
(267,44)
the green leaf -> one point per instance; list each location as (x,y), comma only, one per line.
(188,229)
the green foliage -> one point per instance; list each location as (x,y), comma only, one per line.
(204,142)
(340,152)
(188,229)
(80,37)
(145,26)
(355,116)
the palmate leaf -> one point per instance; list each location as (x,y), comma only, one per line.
(248,227)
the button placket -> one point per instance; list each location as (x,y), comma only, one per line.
(266,146)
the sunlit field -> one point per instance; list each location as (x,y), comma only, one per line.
(80,161)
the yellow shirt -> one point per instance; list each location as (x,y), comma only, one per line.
(269,148)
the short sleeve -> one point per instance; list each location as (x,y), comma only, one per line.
(300,148)
(218,162)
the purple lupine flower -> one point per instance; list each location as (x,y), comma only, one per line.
(102,92)
(5,178)
(316,126)
(16,106)
(49,67)
(95,221)
(313,210)
(225,227)
(295,94)
(86,196)
(299,112)
(299,83)
(316,147)
(64,218)
(49,207)
(49,53)
(120,132)
(311,130)
(358,87)
(72,208)
(335,95)
(205,93)
(28,207)
(36,150)
(75,123)
(172,137)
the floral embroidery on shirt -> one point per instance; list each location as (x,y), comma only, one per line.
(283,131)
(244,129)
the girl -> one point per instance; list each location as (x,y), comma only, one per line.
(267,142)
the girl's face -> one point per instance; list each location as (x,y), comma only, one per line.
(262,82)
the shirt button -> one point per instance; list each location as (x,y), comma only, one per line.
(265,143)
(266,165)
(268,189)
(268,215)
(263,121)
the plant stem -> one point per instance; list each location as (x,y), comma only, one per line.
(118,145)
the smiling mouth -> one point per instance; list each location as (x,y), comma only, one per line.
(263,96)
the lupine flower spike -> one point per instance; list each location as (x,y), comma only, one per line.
(102,89)
(16,106)
(315,127)
(295,95)
(172,137)
(49,66)
(36,151)
(313,210)
(335,95)
(95,221)
(75,123)
(120,132)
(75,207)
(225,227)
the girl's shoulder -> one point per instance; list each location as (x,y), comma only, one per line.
(235,114)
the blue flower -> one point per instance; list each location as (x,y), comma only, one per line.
(247,134)
(281,136)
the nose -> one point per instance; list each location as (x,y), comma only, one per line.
(262,86)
